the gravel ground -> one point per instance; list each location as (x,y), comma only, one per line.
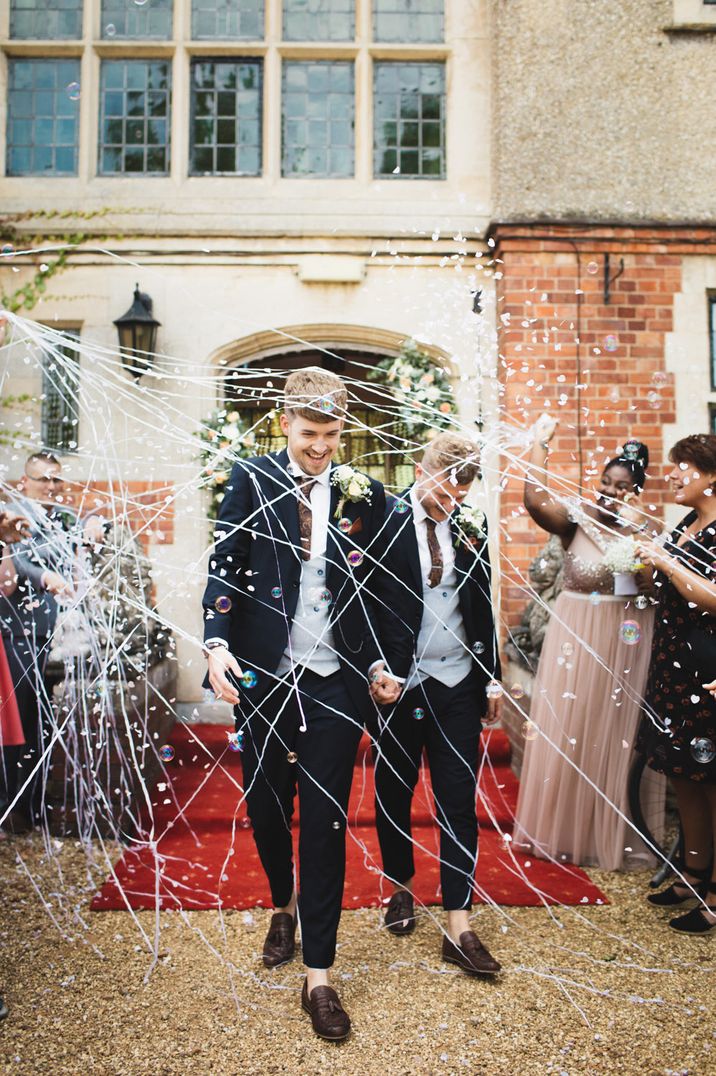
(595,990)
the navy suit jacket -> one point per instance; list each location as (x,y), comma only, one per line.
(256,563)
(400,590)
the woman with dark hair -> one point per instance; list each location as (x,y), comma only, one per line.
(678,729)
(588,689)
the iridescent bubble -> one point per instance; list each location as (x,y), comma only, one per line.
(336,825)
(610,342)
(345,524)
(530,730)
(593,267)
(517,691)
(276,592)
(292,757)
(8,248)
(654,400)
(400,507)
(324,403)
(641,601)
(703,750)
(223,604)
(660,380)
(494,690)
(74,91)
(567,649)
(140,3)
(631,450)
(110,30)
(355,558)
(166,753)
(325,597)
(595,597)
(478,647)
(249,679)
(630,632)
(614,395)
(236,741)
(418,713)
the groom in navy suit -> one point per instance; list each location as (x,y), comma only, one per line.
(439,636)
(289,636)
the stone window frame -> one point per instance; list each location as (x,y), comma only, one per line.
(181,49)
(693,16)
(215,119)
(51,109)
(334,107)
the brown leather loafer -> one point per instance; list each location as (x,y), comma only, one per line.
(280,944)
(470,955)
(330,1020)
(400,913)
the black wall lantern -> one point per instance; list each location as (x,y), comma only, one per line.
(137,330)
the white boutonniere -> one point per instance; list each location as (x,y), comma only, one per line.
(471,524)
(353,486)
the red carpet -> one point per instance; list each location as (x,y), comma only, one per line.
(206,858)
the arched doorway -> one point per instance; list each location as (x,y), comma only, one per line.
(376,439)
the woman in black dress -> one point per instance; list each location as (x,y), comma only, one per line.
(678,729)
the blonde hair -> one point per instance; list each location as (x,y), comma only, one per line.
(451,454)
(315,394)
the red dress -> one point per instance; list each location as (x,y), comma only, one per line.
(10,726)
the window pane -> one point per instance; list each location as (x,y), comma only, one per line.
(51,20)
(712,338)
(409,111)
(228,19)
(60,404)
(123,18)
(318,20)
(226,113)
(134,117)
(408,20)
(43,108)
(317,91)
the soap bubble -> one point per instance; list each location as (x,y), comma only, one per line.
(355,558)
(478,647)
(567,649)
(236,741)
(276,592)
(249,679)
(529,730)
(223,604)
(110,30)
(8,248)
(630,632)
(418,713)
(166,753)
(702,749)
(641,601)
(610,342)
(325,404)
(654,400)
(400,507)
(517,691)
(660,380)
(595,597)
(345,524)
(292,757)
(74,91)
(593,267)
(494,690)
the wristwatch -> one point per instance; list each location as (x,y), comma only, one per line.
(214,644)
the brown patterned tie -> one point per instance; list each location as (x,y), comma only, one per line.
(436,557)
(305,515)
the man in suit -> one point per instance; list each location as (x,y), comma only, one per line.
(28,611)
(440,637)
(290,643)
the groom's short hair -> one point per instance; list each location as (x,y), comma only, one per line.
(315,394)
(452,455)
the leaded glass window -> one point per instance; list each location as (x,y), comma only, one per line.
(42,112)
(318,20)
(712,339)
(226,117)
(134,117)
(60,398)
(409,119)
(127,18)
(317,118)
(50,20)
(227,19)
(408,20)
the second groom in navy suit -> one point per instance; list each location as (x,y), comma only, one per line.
(438,635)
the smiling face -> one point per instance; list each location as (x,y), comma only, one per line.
(690,486)
(311,444)
(616,482)
(438,496)
(41,481)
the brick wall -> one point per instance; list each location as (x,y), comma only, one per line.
(556,332)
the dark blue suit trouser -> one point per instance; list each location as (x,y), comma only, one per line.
(322,775)
(449,730)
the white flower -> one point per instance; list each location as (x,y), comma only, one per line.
(230,431)
(471,521)
(353,486)
(354,490)
(620,556)
(341,474)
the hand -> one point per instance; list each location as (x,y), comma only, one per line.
(57,585)
(222,661)
(630,510)
(13,528)
(711,687)
(653,555)
(544,429)
(494,710)
(383,688)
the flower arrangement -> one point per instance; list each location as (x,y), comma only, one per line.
(471,524)
(353,485)
(224,440)
(422,389)
(620,556)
